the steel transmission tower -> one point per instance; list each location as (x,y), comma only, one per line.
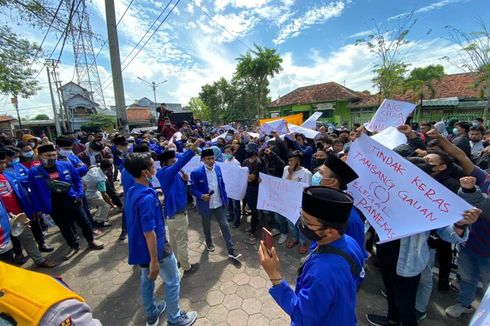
(85,62)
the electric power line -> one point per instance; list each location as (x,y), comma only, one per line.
(139,42)
(47,32)
(112,31)
(72,13)
(221,26)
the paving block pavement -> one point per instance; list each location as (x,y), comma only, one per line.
(222,291)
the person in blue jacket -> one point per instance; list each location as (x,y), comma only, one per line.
(148,247)
(173,186)
(66,153)
(306,150)
(328,280)
(14,167)
(337,174)
(209,188)
(57,190)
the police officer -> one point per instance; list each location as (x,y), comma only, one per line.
(328,279)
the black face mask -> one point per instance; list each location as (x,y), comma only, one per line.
(320,162)
(309,233)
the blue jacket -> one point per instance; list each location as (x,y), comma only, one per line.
(4,227)
(173,186)
(199,187)
(325,291)
(20,172)
(307,152)
(127,180)
(20,193)
(355,228)
(41,194)
(76,161)
(143,214)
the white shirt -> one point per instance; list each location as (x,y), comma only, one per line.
(302,175)
(476,147)
(233,161)
(215,199)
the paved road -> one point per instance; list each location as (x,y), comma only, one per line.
(223,292)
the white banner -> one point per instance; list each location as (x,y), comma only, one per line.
(279,126)
(397,198)
(235,178)
(309,133)
(391,113)
(390,138)
(311,122)
(280,196)
(193,164)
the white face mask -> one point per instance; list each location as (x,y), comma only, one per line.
(66,152)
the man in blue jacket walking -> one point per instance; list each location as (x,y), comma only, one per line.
(148,247)
(57,190)
(175,208)
(209,189)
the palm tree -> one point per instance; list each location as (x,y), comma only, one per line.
(258,65)
(420,82)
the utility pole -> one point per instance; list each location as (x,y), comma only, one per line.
(15,102)
(154,87)
(49,63)
(117,80)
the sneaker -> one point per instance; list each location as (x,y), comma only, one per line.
(282,238)
(379,320)
(252,239)
(45,248)
(233,255)
(48,263)
(185,319)
(210,247)
(20,259)
(457,310)
(69,255)
(96,245)
(420,315)
(194,267)
(123,236)
(275,232)
(161,308)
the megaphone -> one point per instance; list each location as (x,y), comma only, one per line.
(18,224)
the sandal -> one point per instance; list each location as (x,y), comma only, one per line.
(303,249)
(48,264)
(291,243)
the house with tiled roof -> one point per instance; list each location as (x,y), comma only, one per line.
(7,124)
(139,117)
(456,97)
(330,98)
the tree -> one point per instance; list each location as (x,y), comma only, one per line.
(386,44)
(420,82)
(258,65)
(99,121)
(199,109)
(16,57)
(475,56)
(41,117)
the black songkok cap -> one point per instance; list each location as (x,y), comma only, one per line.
(167,155)
(327,204)
(207,152)
(345,173)
(64,142)
(46,148)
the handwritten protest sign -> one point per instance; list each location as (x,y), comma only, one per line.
(390,138)
(309,133)
(280,196)
(390,113)
(311,121)
(235,179)
(482,315)
(193,164)
(398,198)
(279,126)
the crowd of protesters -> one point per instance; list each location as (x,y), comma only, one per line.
(74,180)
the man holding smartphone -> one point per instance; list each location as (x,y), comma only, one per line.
(209,189)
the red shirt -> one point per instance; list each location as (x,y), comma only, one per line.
(31,163)
(8,196)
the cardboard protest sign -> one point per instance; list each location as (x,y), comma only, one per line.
(390,138)
(193,164)
(391,113)
(280,196)
(235,178)
(311,121)
(397,198)
(279,126)
(309,133)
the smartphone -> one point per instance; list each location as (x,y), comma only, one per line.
(211,192)
(268,240)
